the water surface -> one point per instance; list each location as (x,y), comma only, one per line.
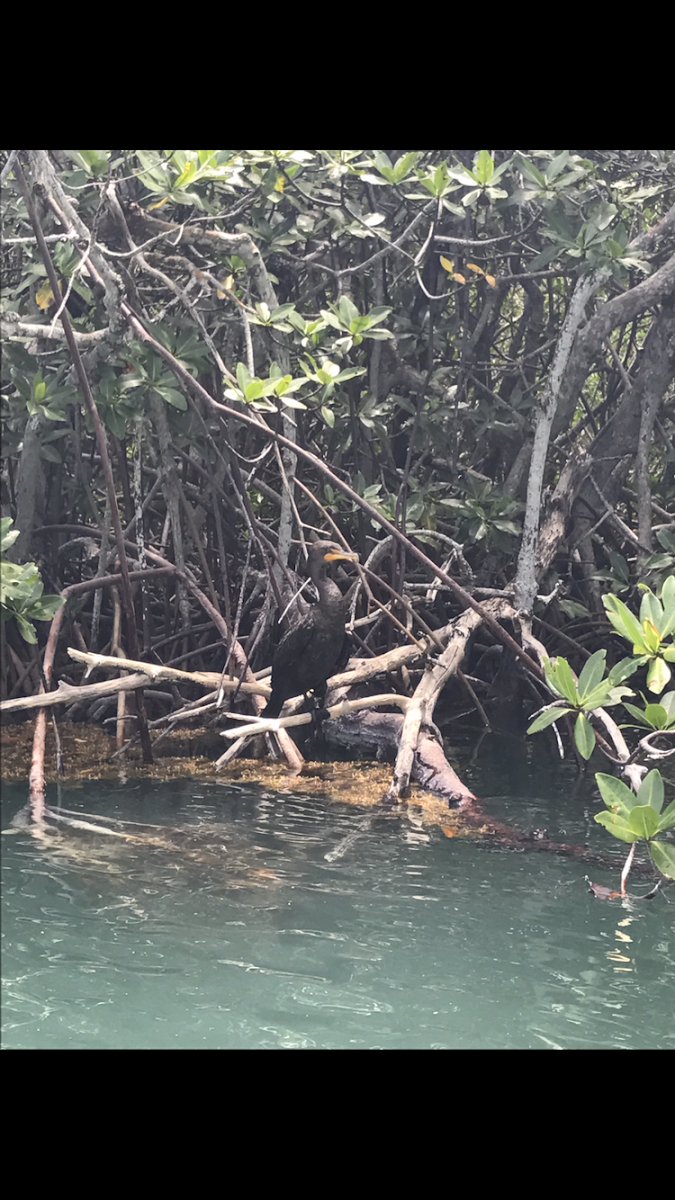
(231,930)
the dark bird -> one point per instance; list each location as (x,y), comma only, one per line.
(311,651)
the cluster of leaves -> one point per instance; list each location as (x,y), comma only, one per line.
(651,637)
(633,817)
(630,817)
(651,634)
(592,690)
(485,514)
(293,197)
(21,589)
(318,218)
(600,238)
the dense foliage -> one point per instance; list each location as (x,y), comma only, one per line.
(479,344)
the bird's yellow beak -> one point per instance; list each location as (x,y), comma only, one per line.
(337,555)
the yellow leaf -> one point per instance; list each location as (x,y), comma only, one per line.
(280,184)
(448,264)
(44,296)
(473,267)
(226,285)
(159,204)
(459,278)
(491,280)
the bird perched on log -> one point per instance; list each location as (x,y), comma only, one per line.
(311,651)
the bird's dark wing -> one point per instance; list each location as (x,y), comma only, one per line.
(341,664)
(293,643)
(289,658)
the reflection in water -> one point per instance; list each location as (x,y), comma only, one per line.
(221,923)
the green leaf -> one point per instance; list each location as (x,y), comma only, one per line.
(641,716)
(348,310)
(615,794)
(471,197)
(358,325)
(173,397)
(617,826)
(620,568)
(663,857)
(283,310)
(666,539)
(186,174)
(592,673)
(668,594)
(624,621)
(26,630)
(462,176)
(380,313)
(623,670)
(383,163)
(557,165)
(376,335)
(604,695)
(18,583)
(45,608)
(643,821)
(154,169)
(328,415)
(560,674)
(350,373)
(584,736)
(291,402)
(270,386)
(243,376)
(331,319)
(650,635)
(650,791)
(373,219)
(404,165)
(298,322)
(253,390)
(658,675)
(7,538)
(95,162)
(550,254)
(667,820)
(507,527)
(529,169)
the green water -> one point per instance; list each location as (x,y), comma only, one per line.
(239,934)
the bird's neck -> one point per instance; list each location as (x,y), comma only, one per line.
(330,595)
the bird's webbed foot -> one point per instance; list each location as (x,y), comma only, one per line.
(319,713)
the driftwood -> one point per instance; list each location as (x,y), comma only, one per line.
(418,750)
(380,734)
(419,753)
(145,673)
